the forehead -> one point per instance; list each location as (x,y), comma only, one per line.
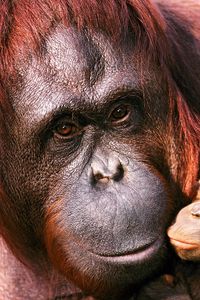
(76,69)
(80,54)
(80,59)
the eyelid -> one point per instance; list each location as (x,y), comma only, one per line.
(62,117)
(129,108)
(69,138)
(77,129)
(128,99)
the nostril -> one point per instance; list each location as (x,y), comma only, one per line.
(106,170)
(100,178)
(119,173)
(195,211)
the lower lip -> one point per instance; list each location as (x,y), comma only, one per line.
(140,255)
(182,245)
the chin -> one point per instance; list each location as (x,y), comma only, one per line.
(111,276)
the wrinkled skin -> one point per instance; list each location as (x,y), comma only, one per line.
(184,234)
(78,144)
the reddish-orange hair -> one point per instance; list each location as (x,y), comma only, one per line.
(25,24)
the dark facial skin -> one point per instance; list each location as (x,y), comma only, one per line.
(83,162)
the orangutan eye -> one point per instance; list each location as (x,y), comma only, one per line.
(67,130)
(120,114)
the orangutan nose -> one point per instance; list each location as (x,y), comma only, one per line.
(106,169)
